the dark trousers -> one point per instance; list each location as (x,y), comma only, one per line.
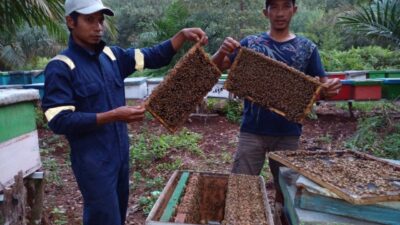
(251,153)
(105,191)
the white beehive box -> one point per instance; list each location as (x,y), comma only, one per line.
(19,145)
(135,88)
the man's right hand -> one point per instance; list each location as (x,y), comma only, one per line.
(130,113)
(228,46)
(127,114)
(220,57)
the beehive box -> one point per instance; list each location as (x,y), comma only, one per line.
(355,177)
(135,87)
(37,76)
(207,198)
(218,90)
(183,89)
(393,74)
(367,90)
(391,89)
(36,86)
(375,74)
(273,85)
(20,77)
(4,78)
(152,83)
(339,75)
(19,145)
(356,74)
(346,91)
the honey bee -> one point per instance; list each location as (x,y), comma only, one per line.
(354,175)
(272,84)
(184,87)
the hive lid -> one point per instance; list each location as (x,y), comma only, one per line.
(391,81)
(335,73)
(369,82)
(11,96)
(347,82)
(135,80)
(155,80)
(393,72)
(376,72)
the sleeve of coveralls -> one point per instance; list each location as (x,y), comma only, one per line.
(131,60)
(315,67)
(58,103)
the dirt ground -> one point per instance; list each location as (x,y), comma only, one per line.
(63,202)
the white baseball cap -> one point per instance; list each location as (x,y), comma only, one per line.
(86,7)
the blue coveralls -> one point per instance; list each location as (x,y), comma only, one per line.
(99,153)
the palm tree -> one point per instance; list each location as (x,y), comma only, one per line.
(16,13)
(380,21)
(23,16)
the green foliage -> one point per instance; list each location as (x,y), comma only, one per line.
(365,58)
(378,135)
(53,171)
(40,118)
(147,202)
(366,107)
(380,20)
(148,148)
(170,166)
(60,216)
(233,111)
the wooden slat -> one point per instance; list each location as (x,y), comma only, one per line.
(172,203)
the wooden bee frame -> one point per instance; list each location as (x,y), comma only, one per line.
(356,177)
(183,88)
(273,85)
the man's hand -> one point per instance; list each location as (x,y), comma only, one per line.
(228,46)
(124,113)
(189,34)
(332,87)
(220,57)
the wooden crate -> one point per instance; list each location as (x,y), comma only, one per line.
(325,169)
(214,190)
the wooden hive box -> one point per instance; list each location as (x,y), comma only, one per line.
(19,144)
(355,177)
(208,204)
(183,88)
(272,84)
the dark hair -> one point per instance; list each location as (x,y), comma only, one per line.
(74,15)
(267,2)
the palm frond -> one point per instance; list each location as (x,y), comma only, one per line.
(380,20)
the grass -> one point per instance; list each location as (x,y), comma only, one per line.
(379,134)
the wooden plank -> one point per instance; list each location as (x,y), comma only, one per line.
(19,154)
(163,199)
(172,203)
(373,213)
(268,212)
(342,193)
(287,179)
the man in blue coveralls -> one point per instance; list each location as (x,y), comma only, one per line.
(261,130)
(84,99)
